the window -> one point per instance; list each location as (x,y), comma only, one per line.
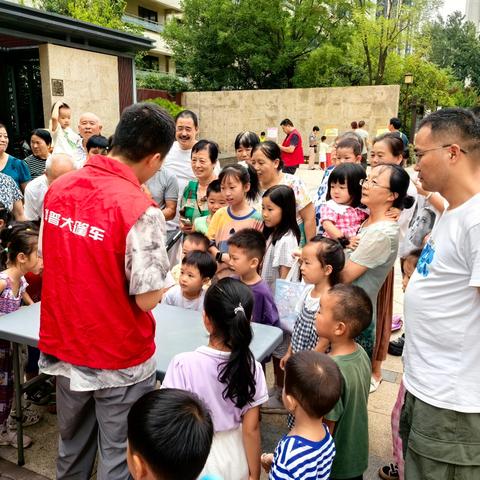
(147,14)
(149,62)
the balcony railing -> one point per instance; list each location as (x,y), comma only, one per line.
(143,22)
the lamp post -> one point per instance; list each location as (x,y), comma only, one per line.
(407,80)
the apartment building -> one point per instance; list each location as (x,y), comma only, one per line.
(472,12)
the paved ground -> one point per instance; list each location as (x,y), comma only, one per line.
(40,457)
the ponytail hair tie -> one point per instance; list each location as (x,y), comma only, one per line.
(239,309)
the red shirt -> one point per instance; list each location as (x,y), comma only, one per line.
(88,317)
(296,157)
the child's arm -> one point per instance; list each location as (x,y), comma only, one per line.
(55,113)
(283,271)
(332,230)
(322,345)
(251,441)
(3,284)
(266,460)
(27,299)
(284,359)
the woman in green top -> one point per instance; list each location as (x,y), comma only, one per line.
(368,266)
(193,203)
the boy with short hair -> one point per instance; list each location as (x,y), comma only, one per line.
(313,384)
(246,249)
(215,201)
(170,433)
(349,150)
(97,144)
(197,269)
(323,149)
(345,311)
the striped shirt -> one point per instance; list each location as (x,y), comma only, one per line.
(36,165)
(298,458)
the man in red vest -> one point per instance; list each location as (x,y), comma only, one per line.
(292,151)
(105,265)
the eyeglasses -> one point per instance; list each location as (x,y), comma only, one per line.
(371,184)
(420,153)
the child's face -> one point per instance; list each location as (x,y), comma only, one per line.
(272,213)
(190,281)
(189,246)
(339,193)
(32,262)
(234,190)
(408,268)
(64,117)
(312,270)
(381,153)
(215,200)
(325,322)
(346,155)
(240,261)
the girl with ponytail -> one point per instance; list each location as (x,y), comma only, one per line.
(228,379)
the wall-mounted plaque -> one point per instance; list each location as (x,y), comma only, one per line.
(57,87)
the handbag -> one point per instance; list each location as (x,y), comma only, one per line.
(287,293)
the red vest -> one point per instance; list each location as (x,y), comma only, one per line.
(296,157)
(87,316)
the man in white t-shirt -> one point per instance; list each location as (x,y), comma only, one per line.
(56,165)
(178,161)
(440,421)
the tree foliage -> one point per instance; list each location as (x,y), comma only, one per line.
(106,13)
(225,44)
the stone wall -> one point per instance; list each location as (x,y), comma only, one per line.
(90,83)
(223,114)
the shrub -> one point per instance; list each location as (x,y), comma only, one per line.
(172,108)
(158,81)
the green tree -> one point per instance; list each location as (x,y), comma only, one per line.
(454,44)
(106,13)
(225,44)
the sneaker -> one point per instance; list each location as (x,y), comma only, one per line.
(274,405)
(30,417)
(395,347)
(389,472)
(9,438)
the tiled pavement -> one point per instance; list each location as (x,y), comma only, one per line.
(40,457)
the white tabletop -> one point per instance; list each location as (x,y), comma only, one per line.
(177,331)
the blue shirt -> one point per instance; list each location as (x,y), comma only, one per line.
(17,169)
(298,458)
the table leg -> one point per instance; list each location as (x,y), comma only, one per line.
(18,403)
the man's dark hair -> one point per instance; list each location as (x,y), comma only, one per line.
(455,125)
(354,125)
(396,123)
(361,123)
(144,129)
(188,114)
(323,138)
(206,265)
(286,123)
(97,141)
(314,380)
(315,128)
(199,239)
(352,143)
(172,431)
(250,240)
(353,307)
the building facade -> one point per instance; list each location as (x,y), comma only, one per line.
(472,12)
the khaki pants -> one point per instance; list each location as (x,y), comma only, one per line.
(439,444)
(311,156)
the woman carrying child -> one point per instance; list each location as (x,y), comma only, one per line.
(268,165)
(193,203)
(227,378)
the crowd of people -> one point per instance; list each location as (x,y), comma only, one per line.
(104,230)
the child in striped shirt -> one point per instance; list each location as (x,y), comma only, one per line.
(312,387)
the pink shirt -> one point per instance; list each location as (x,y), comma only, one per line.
(197,372)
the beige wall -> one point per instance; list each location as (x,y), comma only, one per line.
(224,114)
(90,83)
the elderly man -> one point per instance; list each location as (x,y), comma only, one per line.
(88,125)
(55,166)
(440,421)
(105,266)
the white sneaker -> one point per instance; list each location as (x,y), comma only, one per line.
(9,438)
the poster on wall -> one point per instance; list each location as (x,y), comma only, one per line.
(331,132)
(272,133)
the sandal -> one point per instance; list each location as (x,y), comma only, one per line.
(29,414)
(374,384)
(389,472)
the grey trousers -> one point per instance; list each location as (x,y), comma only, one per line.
(95,418)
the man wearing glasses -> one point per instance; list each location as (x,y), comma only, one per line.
(440,421)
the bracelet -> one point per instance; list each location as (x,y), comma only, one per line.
(218,257)
(429,196)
